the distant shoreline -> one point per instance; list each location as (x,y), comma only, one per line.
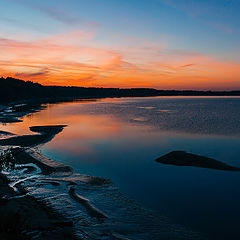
(13,90)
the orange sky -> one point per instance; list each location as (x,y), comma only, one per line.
(73,58)
(164,44)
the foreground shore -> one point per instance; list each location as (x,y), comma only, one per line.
(47,200)
(21,216)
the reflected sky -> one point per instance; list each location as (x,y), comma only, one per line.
(121,138)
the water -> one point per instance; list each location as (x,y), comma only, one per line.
(120,139)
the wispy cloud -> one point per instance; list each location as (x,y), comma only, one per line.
(58,13)
(187,65)
(32,75)
(212,13)
(72,58)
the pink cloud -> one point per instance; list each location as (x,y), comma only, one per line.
(79,61)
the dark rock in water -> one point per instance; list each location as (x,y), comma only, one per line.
(5,133)
(25,140)
(52,129)
(181,158)
(47,133)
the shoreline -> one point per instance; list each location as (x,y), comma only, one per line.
(22,216)
(19,90)
(33,218)
(55,177)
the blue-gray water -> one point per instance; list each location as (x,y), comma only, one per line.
(120,139)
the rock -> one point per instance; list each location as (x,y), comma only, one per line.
(182,158)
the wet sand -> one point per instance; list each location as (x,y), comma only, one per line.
(22,216)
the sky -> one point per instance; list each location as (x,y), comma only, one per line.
(163,44)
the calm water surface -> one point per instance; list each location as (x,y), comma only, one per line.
(121,138)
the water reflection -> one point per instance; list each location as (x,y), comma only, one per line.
(120,139)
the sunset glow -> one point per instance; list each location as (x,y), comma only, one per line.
(81,43)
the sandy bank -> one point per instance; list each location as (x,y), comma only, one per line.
(47,133)
(22,217)
(47,165)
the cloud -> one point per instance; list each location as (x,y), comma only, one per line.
(31,75)
(57,12)
(214,13)
(73,58)
(58,60)
(187,65)
(64,16)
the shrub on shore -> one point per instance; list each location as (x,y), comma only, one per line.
(7,160)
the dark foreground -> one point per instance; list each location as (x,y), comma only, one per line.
(22,217)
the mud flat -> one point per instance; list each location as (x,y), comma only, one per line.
(12,112)
(22,217)
(47,165)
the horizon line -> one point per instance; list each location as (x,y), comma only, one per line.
(177,90)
